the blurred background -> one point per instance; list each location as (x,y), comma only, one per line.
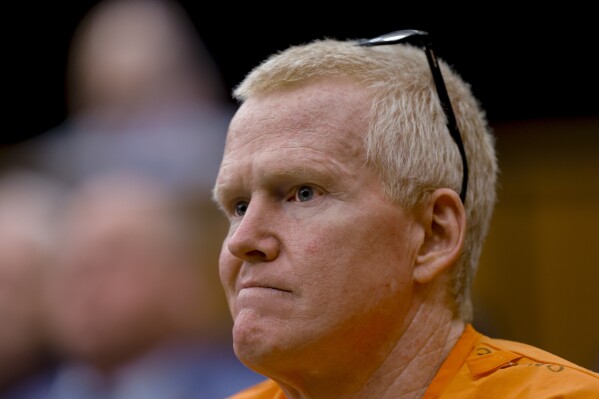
(538,281)
(522,65)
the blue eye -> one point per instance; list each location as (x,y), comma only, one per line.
(241,208)
(304,193)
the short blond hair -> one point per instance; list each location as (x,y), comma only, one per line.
(407,141)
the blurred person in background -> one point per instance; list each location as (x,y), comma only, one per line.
(143,93)
(28,205)
(132,305)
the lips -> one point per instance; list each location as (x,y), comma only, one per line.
(262,284)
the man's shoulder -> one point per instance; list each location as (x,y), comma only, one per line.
(502,368)
(265,390)
(524,354)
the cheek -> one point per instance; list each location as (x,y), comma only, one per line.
(373,252)
(355,243)
(228,268)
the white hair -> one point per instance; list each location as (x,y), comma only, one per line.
(407,141)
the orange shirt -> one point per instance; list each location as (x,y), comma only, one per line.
(482,367)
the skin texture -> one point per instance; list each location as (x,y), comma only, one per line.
(320,269)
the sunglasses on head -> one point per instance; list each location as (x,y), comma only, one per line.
(422,40)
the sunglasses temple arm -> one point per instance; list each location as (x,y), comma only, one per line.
(452,124)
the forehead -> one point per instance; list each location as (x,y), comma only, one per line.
(317,128)
(307,114)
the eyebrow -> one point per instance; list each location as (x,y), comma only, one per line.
(325,176)
(216,195)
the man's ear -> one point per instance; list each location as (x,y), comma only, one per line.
(444,223)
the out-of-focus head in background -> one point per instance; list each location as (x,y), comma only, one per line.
(129,277)
(144,95)
(131,57)
(28,209)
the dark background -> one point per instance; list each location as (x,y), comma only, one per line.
(534,65)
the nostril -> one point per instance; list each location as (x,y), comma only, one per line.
(255,254)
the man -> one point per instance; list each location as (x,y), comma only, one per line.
(357,214)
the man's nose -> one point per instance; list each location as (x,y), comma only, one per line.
(255,238)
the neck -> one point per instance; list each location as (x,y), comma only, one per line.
(416,359)
(405,372)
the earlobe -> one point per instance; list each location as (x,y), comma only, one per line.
(444,222)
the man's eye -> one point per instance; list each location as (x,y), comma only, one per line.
(304,193)
(241,208)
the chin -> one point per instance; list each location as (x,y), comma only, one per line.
(254,356)
(254,341)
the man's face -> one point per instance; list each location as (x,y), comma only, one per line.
(107,295)
(317,263)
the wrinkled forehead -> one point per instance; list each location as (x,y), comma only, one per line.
(286,132)
(339,104)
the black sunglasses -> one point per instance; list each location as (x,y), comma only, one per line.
(422,39)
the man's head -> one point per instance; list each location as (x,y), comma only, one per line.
(340,181)
(134,57)
(127,277)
